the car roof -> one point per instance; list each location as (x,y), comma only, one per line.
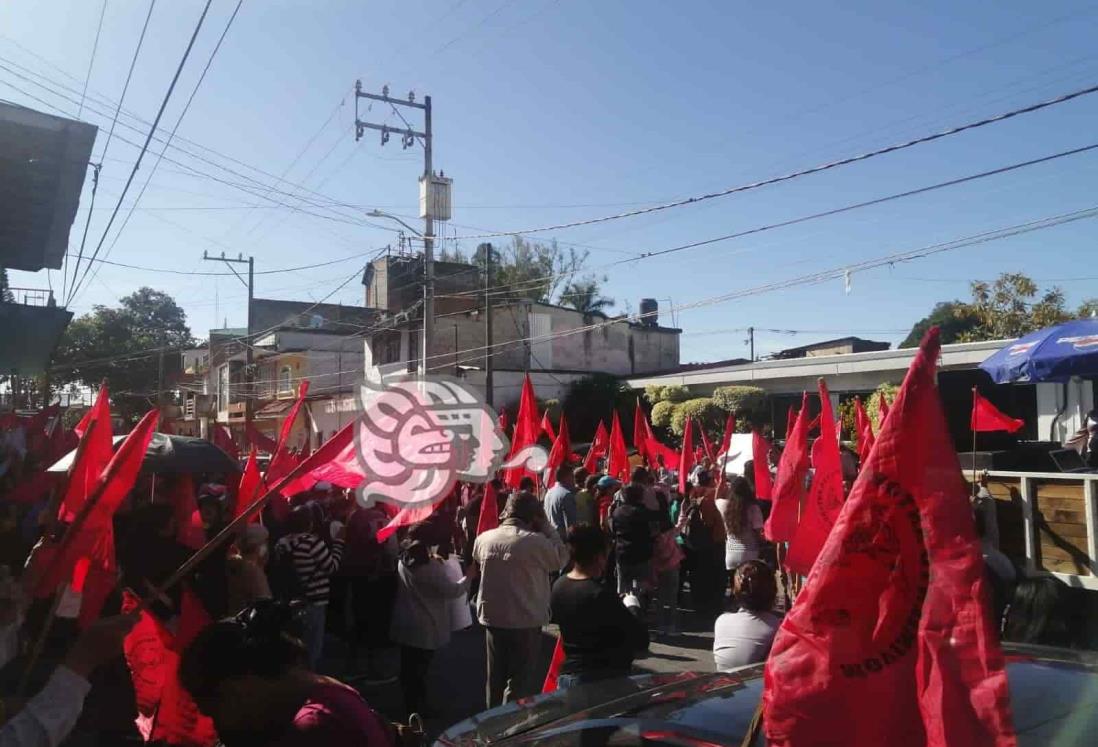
(1054,697)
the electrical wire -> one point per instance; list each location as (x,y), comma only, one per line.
(201,273)
(145,146)
(171,135)
(91,61)
(114,122)
(805,171)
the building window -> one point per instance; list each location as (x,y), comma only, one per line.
(223,387)
(386,348)
(285,380)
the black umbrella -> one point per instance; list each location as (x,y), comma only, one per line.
(168,453)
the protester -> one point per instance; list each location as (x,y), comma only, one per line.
(744,637)
(247,575)
(600,637)
(606,488)
(369,568)
(516,561)
(743,522)
(250,677)
(421,621)
(586,505)
(560,500)
(667,559)
(48,717)
(703,533)
(634,528)
(312,563)
(1039,613)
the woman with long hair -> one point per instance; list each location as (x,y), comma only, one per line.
(743,523)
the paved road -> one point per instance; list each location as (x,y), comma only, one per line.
(458,673)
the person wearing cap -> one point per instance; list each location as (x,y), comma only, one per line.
(606,488)
(516,562)
(246,570)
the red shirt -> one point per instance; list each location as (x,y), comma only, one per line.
(335,715)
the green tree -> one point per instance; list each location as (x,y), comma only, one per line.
(749,404)
(6,296)
(584,296)
(122,345)
(953,318)
(531,270)
(594,398)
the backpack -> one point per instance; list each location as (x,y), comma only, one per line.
(697,535)
(282,573)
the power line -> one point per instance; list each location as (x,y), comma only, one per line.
(145,146)
(114,121)
(171,135)
(802,172)
(169,271)
(91,61)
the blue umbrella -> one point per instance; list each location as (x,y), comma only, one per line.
(1051,354)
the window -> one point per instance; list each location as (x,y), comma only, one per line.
(285,380)
(386,348)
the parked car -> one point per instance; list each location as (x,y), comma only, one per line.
(1053,692)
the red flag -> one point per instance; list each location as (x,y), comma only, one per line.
(489,510)
(760,456)
(686,455)
(405,517)
(864,428)
(188,523)
(283,460)
(562,449)
(264,442)
(527,430)
(921,660)
(93,452)
(547,426)
(789,483)
(987,417)
(251,486)
(642,431)
(502,420)
(619,456)
(555,664)
(790,421)
(335,461)
(223,439)
(660,452)
(729,429)
(882,411)
(599,446)
(165,712)
(825,495)
(707,447)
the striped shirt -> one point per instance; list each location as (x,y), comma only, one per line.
(314,563)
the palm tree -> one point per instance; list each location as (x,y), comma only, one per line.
(583,296)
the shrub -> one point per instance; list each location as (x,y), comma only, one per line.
(705,412)
(748,403)
(873,406)
(675,393)
(661,413)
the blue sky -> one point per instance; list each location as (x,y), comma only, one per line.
(548,111)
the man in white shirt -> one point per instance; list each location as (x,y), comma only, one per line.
(516,562)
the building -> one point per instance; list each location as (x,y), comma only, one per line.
(832,347)
(43,164)
(555,344)
(291,341)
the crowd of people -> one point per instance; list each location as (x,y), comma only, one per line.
(612,564)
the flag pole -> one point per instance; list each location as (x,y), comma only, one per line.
(973,426)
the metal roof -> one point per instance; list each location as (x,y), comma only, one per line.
(43,163)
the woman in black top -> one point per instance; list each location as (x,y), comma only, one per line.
(600,636)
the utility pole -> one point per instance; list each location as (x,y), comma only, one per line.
(488,364)
(249,353)
(751,341)
(408,140)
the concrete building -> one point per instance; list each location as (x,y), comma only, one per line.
(556,344)
(832,347)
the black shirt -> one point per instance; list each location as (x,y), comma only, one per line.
(599,633)
(634,528)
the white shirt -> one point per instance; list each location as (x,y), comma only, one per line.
(741,638)
(50,715)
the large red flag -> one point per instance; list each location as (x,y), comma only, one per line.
(598,448)
(686,455)
(920,660)
(93,452)
(882,410)
(707,447)
(789,482)
(283,460)
(527,430)
(642,431)
(251,486)
(825,495)
(790,421)
(489,510)
(987,417)
(863,427)
(661,454)
(619,455)
(561,451)
(335,461)
(760,457)
(547,426)
(729,429)
(223,439)
(264,442)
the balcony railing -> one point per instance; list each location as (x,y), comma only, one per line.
(32,296)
